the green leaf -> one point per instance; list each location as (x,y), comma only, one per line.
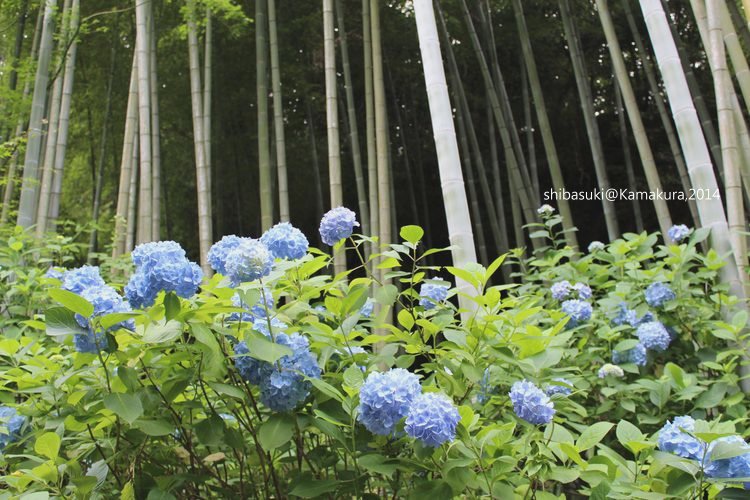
(109,320)
(412,234)
(171,305)
(61,321)
(210,431)
(312,488)
(162,332)
(155,427)
(572,452)
(405,319)
(48,445)
(386,295)
(276,431)
(628,432)
(261,348)
(353,376)
(464,275)
(493,267)
(128,492)
(326,389)
(72,301)
(124,405)
(592,435)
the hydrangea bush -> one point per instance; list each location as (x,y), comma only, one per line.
(614,373)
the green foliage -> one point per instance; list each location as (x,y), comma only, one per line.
(167,415)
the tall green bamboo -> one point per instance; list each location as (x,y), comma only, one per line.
(636,122)
(205,236)
(698,160)
(122,211)
(451,178)
(264,151)
(545,127)
(332,120)
(153,82)
(278,114)
(381,130)
(29,185)
(143,50)
(666,120)
(589,117)
(728,133)
(372,161)
(351,113)
(628,157)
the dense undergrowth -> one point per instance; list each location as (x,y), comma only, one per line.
(274,379)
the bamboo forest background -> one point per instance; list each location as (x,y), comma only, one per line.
(160,119)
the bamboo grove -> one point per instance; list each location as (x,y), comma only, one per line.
(373,105)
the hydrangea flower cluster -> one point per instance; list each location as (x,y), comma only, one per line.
(658,293)
(285,241)
(678,232)
(217,254)
(385,398)
(258,310)
(282,384)
(625,316)
(485,389)
(531,403)
(674,437)
(366,310)
(636,355)
(433,293)
(545,210)
(578,310)
(161,266)
(337,224)
(105,300)
(562,290)
(596,246)
(653,336)
(610,370)
(55,273)
(563,387)
(81,278)
(432,419)
(249,261)
(11,424)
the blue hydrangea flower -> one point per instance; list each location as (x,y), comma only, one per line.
(251,260)
(595,246)
(255,311)
(55,273)
(646,318)
(658,293)
(653,336)
(91,342)
(11,424)
(105,300)
(77,280)
(432,419)
(285,386)
(560,290)
(561,388)
(584,292)
(677,233)
(625,316)
(217,254)
(636,355)
(673,438)
(285,241)
(161,266)
(385,398)
(531,403)
(366,310)
(282,384)
(433,293)
(728,468)
(578,310)
(610,370)
(337,224)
